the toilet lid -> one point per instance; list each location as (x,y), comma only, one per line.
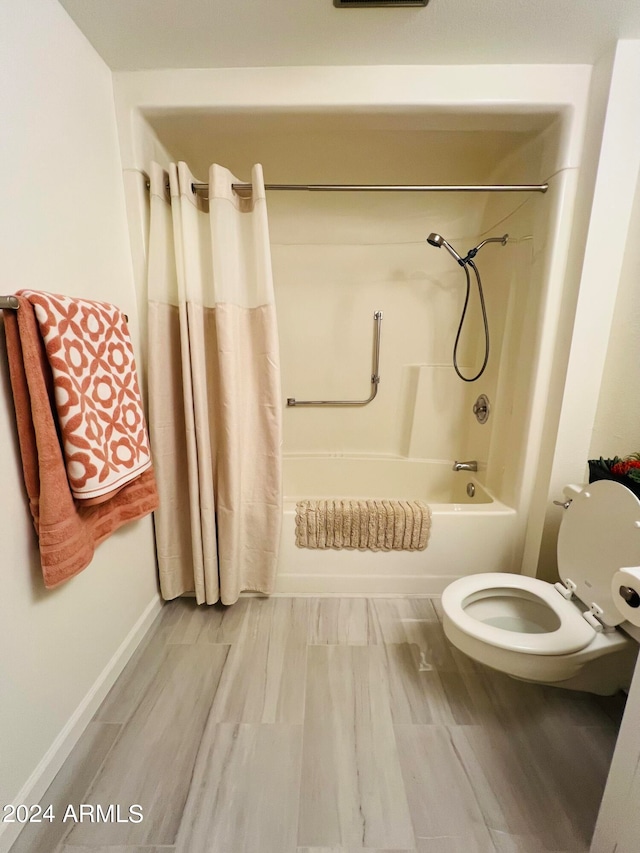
(599,534)
(573,633)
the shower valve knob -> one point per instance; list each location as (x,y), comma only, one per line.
(481,408)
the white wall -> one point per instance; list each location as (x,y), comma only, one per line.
(601,237)
(63,225)
(616,430)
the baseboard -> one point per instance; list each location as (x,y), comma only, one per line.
(45,772)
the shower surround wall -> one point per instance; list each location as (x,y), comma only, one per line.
(336,260)
(340,257)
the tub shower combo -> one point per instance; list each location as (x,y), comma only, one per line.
(471,529)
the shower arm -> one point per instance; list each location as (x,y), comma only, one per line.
(473,252)
(375,376)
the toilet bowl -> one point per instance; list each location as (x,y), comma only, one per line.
(565,634)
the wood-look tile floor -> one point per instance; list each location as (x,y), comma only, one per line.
(328,725)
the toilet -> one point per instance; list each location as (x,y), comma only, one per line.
(570,634)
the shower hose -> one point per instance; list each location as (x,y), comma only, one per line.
(469,263)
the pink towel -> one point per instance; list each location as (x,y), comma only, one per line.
(68,530)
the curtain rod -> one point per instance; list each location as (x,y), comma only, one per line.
(466,188)
(245,189)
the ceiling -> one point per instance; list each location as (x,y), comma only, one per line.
(145,34)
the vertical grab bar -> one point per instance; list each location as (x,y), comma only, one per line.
(375,376)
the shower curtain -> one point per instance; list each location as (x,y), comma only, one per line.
(215,418)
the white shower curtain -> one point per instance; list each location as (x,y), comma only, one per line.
(215,415)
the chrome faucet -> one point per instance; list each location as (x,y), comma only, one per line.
(472,465)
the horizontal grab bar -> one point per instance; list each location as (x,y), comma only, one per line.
(375,376)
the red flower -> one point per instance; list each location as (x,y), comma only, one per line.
(131,416)
(122,453)
(75,357)
(80,469)
(91,321)
(104,392)
(118,356)
(66,396)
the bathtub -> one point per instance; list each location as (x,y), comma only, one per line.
(468,534)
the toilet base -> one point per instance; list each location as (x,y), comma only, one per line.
(604,668)
(601,677)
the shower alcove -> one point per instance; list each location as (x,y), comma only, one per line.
(340,256)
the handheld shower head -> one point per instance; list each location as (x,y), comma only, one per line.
(466,262)
(438,241)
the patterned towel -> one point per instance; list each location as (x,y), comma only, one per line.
(97,398)
(68,531)
(368,525)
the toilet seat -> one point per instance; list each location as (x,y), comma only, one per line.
(573,634)
(600,533)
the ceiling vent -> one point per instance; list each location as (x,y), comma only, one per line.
(354,4)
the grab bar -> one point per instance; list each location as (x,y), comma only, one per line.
(375,377)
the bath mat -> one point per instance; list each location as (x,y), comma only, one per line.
(366,525)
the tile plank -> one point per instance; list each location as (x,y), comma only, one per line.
(140,670)
(426,684)
(512,785)
(350,850)
(129,689)
(352,793)
(70,786)
(244,794)
(442,800)
(215,623)
(574,761)
(413,621)
(341,621)
(264,679)
(457,844)
(507,843)
(69,848)
(152,762)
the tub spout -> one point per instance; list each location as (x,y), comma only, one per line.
(472,465)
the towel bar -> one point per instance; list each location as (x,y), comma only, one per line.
(10,303)
(375,376)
